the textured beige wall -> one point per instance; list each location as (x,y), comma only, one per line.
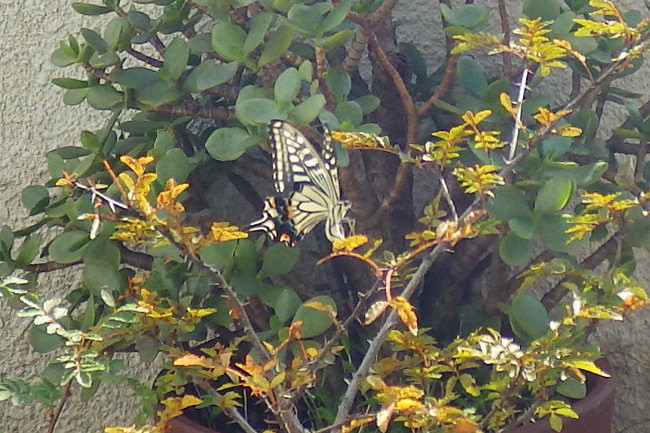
(33,120)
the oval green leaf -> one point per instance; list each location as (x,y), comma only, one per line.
(287,85)
(515,251)
(279,260)
(554,195)
(315,322)
(529,315)
(68,247)
(227,144)
(228,40)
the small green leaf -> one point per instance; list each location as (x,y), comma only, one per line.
(471,76)
(107,297)
(173,165)
(139,20)
(508,203)
(515,251)
(98,276)
(228,41)
(147,348)
(105,60)
(75,96)
(279,260)
(305,18)
(529,315)
(259,25)
(336,16)
(554,195)
(219,255)
(339,82)
(278,43)
(338,39)
(468,16)
(555,422)
(42,342)
(84,379)
(315,322)
(246,257)
(90,9)
(309,109)
(70,83)
(286,304)
(158,94)
(287,85)
(227,144)
(306,70)
(35,198)
(547,10)
(175,58)
(102,249)
(209,74)
(258,110)
(104,97)
(94,40)
(29,250)
(63,56)
(136,78)
(349,111)
(522,227)
(68,247)
(555,146)
(368,103)
(552,231)
(72,152)
(572,388)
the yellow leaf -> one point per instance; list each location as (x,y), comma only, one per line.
(506,102)
(190,359)
(406,314)
(350,243)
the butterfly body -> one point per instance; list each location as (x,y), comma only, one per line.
(308,187)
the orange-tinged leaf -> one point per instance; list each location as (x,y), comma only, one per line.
(190,359)
(464,426)
(406,314)
(174,406)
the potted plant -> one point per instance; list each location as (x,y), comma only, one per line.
(393,318)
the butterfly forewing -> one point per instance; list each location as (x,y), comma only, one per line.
(296,161)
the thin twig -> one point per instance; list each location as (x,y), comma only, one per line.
(520,105)
(505,29)
(231,411)
(445,83)
(59,407)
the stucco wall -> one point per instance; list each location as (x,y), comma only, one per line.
(33,120)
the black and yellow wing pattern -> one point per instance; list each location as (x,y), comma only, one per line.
(308,188)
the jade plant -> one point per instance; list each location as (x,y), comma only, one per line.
(456,303)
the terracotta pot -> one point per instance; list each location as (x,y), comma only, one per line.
(182,424)
(596,410)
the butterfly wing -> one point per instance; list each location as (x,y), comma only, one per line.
(297,162)
(309,181)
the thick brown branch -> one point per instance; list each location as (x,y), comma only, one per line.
(445,83)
